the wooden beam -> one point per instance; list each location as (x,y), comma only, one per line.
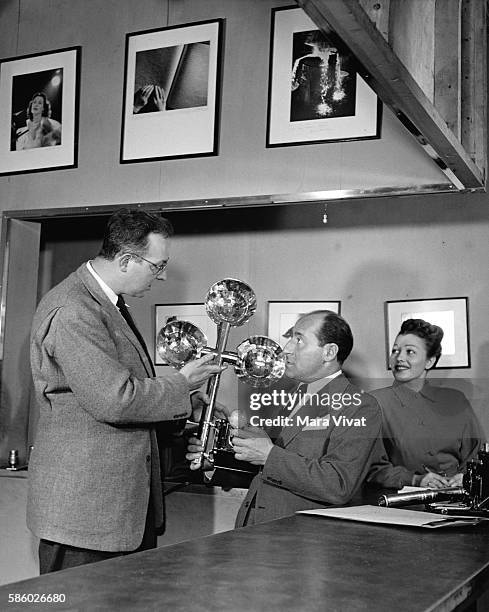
(378,12)
(392,82)
(447,68)
(411,37)
(474,80)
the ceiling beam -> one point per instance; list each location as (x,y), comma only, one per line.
(474,80)
(395,86)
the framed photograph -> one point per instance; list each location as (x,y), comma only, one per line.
(39,100)
(451,314)
(172,92)
(283,315)
(194,313)
(315,93)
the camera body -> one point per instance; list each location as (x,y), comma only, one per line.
(221,451)
(476,480)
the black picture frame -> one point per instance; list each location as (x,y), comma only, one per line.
(39,110)
(316,93)
(451,314)
(172,92)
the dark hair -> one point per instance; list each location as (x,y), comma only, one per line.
(431,335)
(128,230)
(46,108)
(334,329)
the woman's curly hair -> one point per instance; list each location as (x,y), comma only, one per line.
(431,335)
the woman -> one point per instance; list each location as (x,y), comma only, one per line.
(40,129)
(429,433)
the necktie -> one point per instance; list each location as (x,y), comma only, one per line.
(291,407)
(300,391)
(287,411)
(121,305)
(294,397)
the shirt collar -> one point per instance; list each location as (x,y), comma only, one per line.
(406,394)
(103,285)
(317,385)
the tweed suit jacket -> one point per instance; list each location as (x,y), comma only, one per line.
(313,465)
(95,457)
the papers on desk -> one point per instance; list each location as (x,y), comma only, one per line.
(395,516)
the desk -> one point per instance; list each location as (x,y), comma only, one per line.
(18,547)
(299,564)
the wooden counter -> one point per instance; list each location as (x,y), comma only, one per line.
(299,563)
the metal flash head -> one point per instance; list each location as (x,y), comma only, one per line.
(179,342)
(230,301)
(260,361)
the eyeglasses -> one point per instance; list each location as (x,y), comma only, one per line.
(155,268)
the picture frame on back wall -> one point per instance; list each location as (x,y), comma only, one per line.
(451,314)
(315,92)
(39,100)
(194,313)
(171,99)
(283,315)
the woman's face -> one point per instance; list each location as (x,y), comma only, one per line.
(408,359)
(37,105)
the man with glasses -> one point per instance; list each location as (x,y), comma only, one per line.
(94,475)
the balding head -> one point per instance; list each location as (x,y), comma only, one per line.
(331,328)
(312,351)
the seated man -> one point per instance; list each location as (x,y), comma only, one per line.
(324,450)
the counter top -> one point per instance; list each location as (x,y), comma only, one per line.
(301,562)
(12,473)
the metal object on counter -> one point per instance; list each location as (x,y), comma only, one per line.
(472,498)
(476,479)
(13,464)
(421,497)
(13,459)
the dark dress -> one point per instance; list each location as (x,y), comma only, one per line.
(434,429)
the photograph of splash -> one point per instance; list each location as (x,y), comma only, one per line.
(323,78)
(315,91)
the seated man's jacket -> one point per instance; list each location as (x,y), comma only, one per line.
(320,459)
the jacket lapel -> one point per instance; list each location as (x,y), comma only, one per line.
(312,410)
(99,296)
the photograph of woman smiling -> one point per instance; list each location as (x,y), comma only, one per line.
(429,432)
(40,129)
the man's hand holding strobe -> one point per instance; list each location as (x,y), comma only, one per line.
(199,370)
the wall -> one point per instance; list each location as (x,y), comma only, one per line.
(369,252)
(243,167)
